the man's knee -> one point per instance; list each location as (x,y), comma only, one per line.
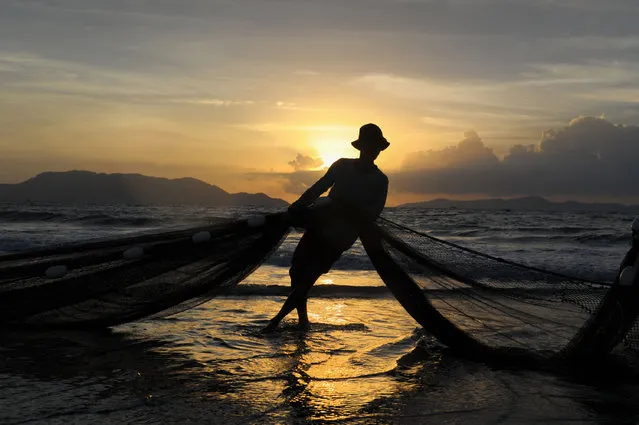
(302,281)
(301,274)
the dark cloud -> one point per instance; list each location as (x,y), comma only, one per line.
(307,171)
(484,39)
(590,157)
(297,182)
(303,162)
(469,152)
(460,17)
(294,183)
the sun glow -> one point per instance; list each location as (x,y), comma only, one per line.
(329,159)
(330,150)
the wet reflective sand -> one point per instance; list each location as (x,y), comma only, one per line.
(364,361)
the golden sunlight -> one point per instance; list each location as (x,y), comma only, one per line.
(329,159)
(330,150)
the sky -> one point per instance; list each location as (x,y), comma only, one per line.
(477,97)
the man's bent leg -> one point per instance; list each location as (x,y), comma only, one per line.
(311,259)
(301,284)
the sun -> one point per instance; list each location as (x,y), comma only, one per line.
(330,150)
(329,158)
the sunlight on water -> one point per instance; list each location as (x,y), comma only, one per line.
(325,281)
(364,361)
(342,365)
(273,275)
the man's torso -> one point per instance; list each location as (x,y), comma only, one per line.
(356,187)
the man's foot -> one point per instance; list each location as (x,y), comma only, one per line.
(304,325)
(271,327)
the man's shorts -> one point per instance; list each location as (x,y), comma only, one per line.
(313,256)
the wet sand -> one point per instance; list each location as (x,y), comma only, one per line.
(364,361)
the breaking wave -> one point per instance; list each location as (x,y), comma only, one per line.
(16,216)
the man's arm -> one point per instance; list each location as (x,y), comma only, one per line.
(315,191)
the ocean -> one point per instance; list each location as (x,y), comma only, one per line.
(363,361)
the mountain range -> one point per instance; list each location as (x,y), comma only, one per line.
(87,187)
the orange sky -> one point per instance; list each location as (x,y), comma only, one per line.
(227,91)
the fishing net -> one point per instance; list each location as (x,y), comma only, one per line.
(488,306)
(477,304)
(109,282)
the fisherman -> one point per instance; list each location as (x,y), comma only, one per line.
(358,188)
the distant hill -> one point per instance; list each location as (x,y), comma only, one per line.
(81,187)
(531,203)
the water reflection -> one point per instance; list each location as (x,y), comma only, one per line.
(363,362)
(339,385)
(211,364)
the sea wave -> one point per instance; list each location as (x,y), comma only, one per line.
(521,233)
(28,216)
(584,238)
(349,261)
(552,229)
(22,216)
(349,291)
(108,220)
(604,237)
(574,244)
(362,291)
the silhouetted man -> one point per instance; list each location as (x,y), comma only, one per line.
(358,191)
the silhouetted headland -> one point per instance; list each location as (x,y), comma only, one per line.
(530,203)
(82,187)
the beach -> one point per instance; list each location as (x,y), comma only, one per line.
(360,363)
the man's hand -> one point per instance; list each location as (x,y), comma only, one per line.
(295,208)
(296,214)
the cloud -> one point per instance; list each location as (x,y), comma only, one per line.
(470,152)
(294,183)
(303,163)
(216,102)
(590,157)
(601,43)
(299,181)
(287,71)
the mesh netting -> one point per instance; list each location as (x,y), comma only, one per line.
(500,304)
(105,283)
(478,304)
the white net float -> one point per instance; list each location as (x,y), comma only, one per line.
(56,272)
(256,221)
(201,237)
(133,253)
(627,276)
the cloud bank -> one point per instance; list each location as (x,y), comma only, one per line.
(589,158)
